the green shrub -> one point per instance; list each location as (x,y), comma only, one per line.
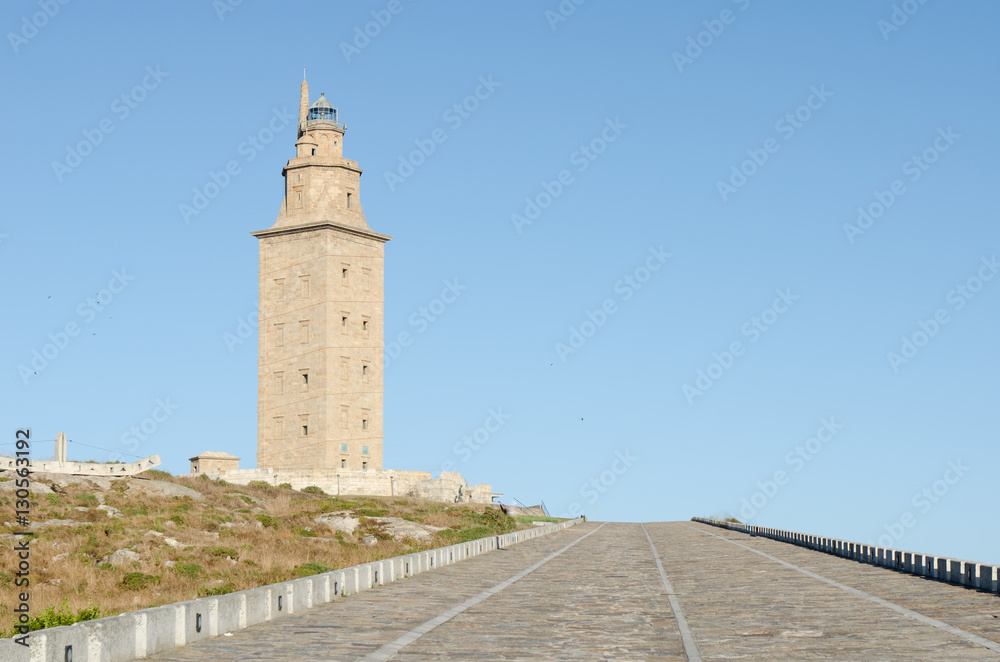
(137,581)
(312,568)
(156,474)
(259,483)
(312,489)
(52,617)
(190,570)
(246,499)
(53,499)
(87,500)
(267,520)
(305,533)
(177,519)
(6,578)
(372,512)
(222,551)
(337,504)
(228,587)
(285,486)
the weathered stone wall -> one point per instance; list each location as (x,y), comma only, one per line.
(450,487)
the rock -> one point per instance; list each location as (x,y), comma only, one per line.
(169,564)
(60,557)
(170,524)
(82,509)
(122,557)
(173,542)
(110,510)
(339,521)
(63,480)
(153,534)
(369,540)
(400,528)
(34,486)
(55,522)
(161,488)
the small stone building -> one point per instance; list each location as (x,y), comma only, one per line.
(214,461)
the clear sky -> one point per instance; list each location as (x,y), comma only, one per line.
(650,211)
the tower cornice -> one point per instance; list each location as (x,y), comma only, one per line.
(321,225)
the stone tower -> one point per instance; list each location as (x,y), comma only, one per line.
(319,369)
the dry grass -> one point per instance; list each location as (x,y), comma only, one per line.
(239,537)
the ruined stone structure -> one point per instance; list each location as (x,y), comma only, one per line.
(214,461)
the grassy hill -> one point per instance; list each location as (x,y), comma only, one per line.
(109,546)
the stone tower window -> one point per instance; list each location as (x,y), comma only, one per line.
(279,335)
(343,448)
(304,331)
(365,371)
(344,273)
(348,200)
(279,383)
(364,466)
(279,289)
(364,450)
(343,417)
(314,151)
(343,464)
(304,423)
(279,426)
(366,276)
(343,323)
(304,286)
(305,379)
(343,367)
(364,327)
(364,426)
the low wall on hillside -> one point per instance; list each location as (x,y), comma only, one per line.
(982,576)
(137,634)
(450,487)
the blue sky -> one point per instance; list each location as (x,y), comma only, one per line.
(665,181)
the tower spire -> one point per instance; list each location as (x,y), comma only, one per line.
(303,102)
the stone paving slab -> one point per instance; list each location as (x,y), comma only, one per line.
(743,606)
(602,599)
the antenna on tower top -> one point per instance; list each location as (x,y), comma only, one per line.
(303,73)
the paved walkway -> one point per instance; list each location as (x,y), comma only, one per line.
(597,592)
